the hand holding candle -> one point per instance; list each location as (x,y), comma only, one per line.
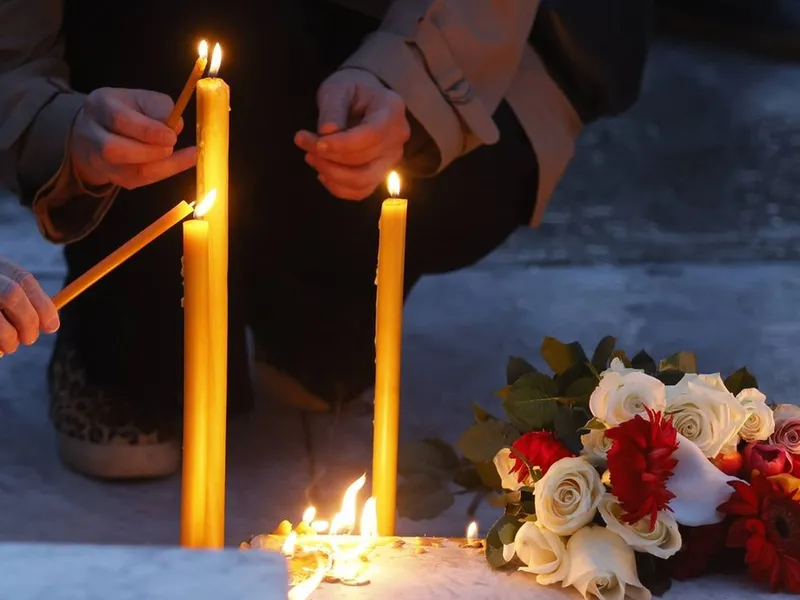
(388,346)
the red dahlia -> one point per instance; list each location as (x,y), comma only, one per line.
(541,449)
(767,524)
(640,463)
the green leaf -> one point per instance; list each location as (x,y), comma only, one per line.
(560,356)
(502,393)
(567,426)
(582,388)
(739,380)
(576,372)
(681,361)
(501,533)
(483,440)
(654,573)
(432,456)
(423,497)
(467,477)
(620,354)
(488,475)
(532,402)
(595,423)
(669,377)
(516,368)
(481,414)
(645,362)
(602,354)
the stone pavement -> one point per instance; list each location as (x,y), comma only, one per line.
(676,228)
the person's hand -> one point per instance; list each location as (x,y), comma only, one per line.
(361,131)
(120,137)
(25,309)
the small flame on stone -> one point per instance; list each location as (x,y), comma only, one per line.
(320,526)
(369,520)
(309,514)
(289,544)
(345,519)
(303,591)
(472,532)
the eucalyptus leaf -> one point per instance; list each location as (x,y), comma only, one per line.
(644,362)
(602,353)
(560,356)
(502,532)
(620,354)
(516,368)
(481,414)
(680,361)
(422,497)
(739,380)
(482,441)
(433,456)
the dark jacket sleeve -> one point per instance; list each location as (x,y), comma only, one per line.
(595,50)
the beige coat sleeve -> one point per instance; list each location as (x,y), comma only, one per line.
(37,109)
(452,61)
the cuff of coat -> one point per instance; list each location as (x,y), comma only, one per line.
(65,209)
(401,66)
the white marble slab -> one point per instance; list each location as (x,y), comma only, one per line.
(70,572)
(448,571)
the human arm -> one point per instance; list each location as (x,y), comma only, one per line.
(63,153)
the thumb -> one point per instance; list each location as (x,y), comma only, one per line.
(334,102)
(155,105)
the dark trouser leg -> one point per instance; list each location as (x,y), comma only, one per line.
(311,258)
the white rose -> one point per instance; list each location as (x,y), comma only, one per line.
(566,498)
(760,421)
(596,446)
(705,412)
(784,412)
(663,541)
(603,566)
(624,393)
(542,551)
(504,462)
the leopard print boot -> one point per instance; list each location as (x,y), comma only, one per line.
(102,435)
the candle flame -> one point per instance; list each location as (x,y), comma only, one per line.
(202,49)
(320,526)
(393,184)
(216,61)
(345,519)
(369,520)
(289,544)
(309,514)
(205,204)
(472,532)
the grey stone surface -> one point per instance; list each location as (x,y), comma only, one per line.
(704,170)
(49,572)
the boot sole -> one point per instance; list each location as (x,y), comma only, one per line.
(119,461)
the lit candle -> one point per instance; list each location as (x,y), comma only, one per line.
(121,254)
(213,107)
(388,334)
(194,484)
(188,89)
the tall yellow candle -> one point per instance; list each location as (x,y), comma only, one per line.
(191,83)
(121,254)
(213,123)
(388,344)
(196,312)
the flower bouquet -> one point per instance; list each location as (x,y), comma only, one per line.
(617,476)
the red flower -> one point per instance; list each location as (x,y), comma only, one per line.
(766,459)
(698,548)
(540,449)
(767,525)
(730,464)
(640,462)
